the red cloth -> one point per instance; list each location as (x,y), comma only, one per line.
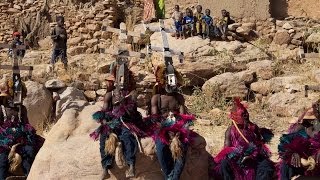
(16,34)
(149,11)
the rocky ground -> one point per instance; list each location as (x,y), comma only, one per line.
(60,102)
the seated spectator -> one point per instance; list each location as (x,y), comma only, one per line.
(224,22)
(188,23)
(207,24)
(200,26)
(177,17)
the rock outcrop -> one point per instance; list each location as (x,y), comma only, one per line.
(69,152)
(39,104)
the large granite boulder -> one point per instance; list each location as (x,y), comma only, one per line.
(39,105)
(229,84)
(69,153)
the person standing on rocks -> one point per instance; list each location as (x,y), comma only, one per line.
(16,42)
(177,17)
(168,114)
(19,142)
(118,119)
(299,150)
(245,155)
(59,38)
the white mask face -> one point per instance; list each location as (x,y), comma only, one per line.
(172,80)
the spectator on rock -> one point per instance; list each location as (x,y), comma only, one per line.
(177,17)
(208,24)
(59,38)
(224,22)
(188,23)
(200,26)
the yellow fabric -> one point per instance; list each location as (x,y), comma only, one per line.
(161,9)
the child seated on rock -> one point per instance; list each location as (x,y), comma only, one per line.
(177,17)
(200,26)
(188,23)
(224,22)
(208,24)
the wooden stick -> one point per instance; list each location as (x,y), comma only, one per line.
(245,139)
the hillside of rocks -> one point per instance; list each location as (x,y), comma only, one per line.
(265,62)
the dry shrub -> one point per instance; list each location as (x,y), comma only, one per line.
(202,102)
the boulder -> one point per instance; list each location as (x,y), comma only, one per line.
(298,36)
(93,27)
(156,40)
(101,92)
(250,25)
(291,31)
(234,47)
(68,145)
(275,85)
(280,23)
(77,50)
(83,30)
(287,26)
(39,105)
(296,42)
(67,97)
(103,67)
(314,38)
(55,84)
(77,84)
(261,87)
(286,104)
(263,69)
(75,41)
(234,26)
(90,95)
(91,86)
(91,42)
(281,37)
(229,84)
(13,11)
(243,31)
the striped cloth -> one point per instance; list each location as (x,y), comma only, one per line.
(149,12)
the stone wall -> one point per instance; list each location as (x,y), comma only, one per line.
(258,9)
(83,21)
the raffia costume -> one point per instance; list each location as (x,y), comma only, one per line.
(300,142)
(244,142)
(19,142)
(118,123)
(173,135)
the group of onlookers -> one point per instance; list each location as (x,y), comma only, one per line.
(203,25)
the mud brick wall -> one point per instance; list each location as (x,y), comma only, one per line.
(258,9)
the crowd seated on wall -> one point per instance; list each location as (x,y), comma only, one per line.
(189,23)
